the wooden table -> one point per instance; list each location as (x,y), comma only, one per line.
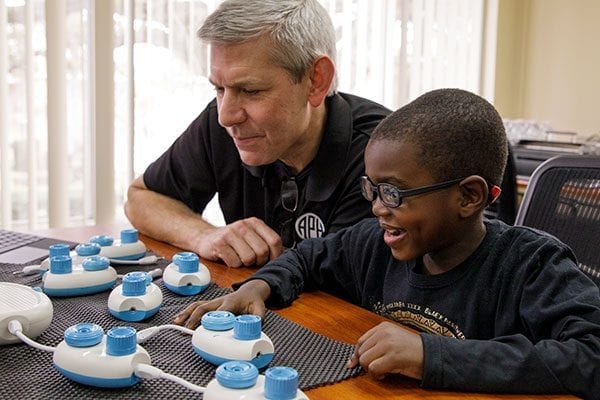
(319,312)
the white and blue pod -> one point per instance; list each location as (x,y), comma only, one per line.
(63,280)
(239,380)
(186,275)
(129,247)
(89,357)
(222,337)
(136,298)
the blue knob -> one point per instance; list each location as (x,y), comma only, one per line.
(129,236)
(102,240)
(281,383)
(236,374)
(59,249)
(61,265)
(87,249)
(134,283)
(96,263)
(121,341)
(218,320)
(84,335)
(247,327)
(187,262)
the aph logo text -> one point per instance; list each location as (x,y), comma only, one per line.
(309,225)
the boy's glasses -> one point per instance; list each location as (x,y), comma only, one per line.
(391,196)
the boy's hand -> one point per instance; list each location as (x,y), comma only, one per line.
(389,348)
(248,299)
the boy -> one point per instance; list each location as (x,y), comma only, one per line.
(498,308)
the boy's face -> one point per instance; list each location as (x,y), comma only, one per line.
(422,224)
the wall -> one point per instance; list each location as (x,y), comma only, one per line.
(548,63)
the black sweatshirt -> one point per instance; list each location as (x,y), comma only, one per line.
(516,316)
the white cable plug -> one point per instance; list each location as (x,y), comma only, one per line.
(15,328)
(146,371)
(147,333)
(30,270)
(155,273)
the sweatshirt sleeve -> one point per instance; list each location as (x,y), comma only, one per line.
(319,263)
(558,351)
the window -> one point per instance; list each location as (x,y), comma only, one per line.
(390,51)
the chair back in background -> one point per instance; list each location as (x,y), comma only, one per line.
(505,208)
(563,199)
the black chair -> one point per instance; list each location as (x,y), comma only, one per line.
(563,199)
(505,208)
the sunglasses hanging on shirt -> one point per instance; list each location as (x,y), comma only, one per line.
(289,195)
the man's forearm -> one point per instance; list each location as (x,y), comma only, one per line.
(164,218)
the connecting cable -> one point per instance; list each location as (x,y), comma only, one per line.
(142,261)
(15,328)
(147,333)
(147,371)
(155,273)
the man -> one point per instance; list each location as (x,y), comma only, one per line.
(282,149)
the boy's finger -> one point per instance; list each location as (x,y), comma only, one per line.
(183,315)
(353,360)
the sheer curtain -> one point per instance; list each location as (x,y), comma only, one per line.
(388,50)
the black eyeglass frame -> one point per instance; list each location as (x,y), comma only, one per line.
(371,191)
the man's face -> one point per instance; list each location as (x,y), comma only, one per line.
(266,114)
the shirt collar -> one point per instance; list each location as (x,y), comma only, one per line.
(329,164)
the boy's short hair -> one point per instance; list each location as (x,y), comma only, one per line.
(458,134)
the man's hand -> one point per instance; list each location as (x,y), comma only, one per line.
(389,348)
(245,242)
(248,299)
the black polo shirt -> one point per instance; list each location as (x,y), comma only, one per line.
(204,161)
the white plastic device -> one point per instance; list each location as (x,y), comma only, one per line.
(186,275)
(30,307)
(239,380)
(88,356)
(129,247)
(136,298)
(64,280)
(116,360)
(80,253)
(223,337)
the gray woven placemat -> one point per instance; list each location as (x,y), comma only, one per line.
(26,372)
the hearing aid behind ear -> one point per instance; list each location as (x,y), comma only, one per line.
(495,193)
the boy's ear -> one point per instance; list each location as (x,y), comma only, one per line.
(474,195)
(321,78)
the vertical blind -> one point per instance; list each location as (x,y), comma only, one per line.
(91,91)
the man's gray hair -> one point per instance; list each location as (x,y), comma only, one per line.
(300,30)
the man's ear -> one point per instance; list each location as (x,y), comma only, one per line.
(474,195)
(321,78)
